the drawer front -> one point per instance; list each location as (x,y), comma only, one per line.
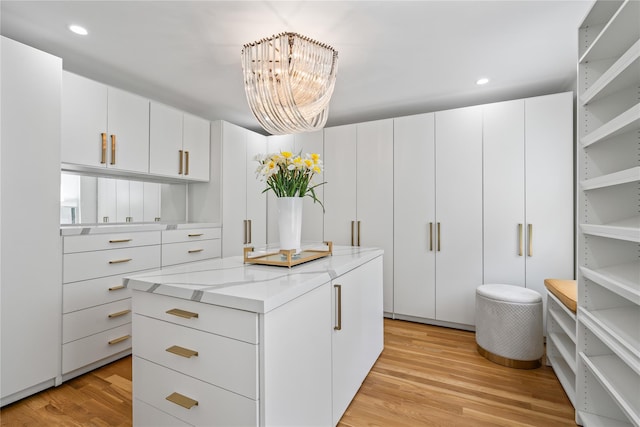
(178,253)
(216,407)
(98,242)
(225,362)
(79,353)
(89,321)
(228,322)
(89,293)
(145,415)
(89,265)
(174,236)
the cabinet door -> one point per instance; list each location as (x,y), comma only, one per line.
(136,200)
(107,203)
(549,154)
(234,184)
(374,195)
(165,141)
(312,215)
(256,199)
(84,118)
(414,216)
(196,144)
(151,204)
(504,224)
(340,189)
(458,213)
(122,200)
(128,122)
(358,342)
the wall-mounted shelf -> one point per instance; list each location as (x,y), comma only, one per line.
(625,122)
(609,180)
(621,279)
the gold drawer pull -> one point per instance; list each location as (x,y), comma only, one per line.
(182,313)
(186,161)
(182,400)
(116,288)
(119,261)
(120,240)
(113,149)
(118,314)
(193,251)
(117,340)
(180,165)
(181,351)
(103,157)
(195,234)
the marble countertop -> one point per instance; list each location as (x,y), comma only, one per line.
(257,288)
(74,230)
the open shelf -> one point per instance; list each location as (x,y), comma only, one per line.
(627,229)
(621,279)
(566,376)
(563,316)
(625,122)
(617,36)
(566,348)
(617,178)
(593,420)
(623,73)
(619,382)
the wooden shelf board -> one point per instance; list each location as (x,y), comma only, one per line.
(621,279)
(617,178)
(625,122)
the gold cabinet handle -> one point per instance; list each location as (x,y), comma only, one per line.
(180,166)
(438,230)
(249,224)
(182,400)
(119,240)
(431,236)
(103,158)
(520,246)
(120,261)
(182,313)
(116,288)
(530,240)
(113,149)
(117,340)
(119,313)
(186,162)
(195,235)
(338,289)
(358,233)
(352,233)
(244,223)
(181,351)
(193,251)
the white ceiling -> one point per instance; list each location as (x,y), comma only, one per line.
(395,57)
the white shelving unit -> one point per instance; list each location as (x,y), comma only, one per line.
(607,373)
(561,344)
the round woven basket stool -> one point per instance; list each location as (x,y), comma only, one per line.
(509,325)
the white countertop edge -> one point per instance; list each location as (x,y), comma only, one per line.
(76,230)
(319,272)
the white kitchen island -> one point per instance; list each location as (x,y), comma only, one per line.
(223,343)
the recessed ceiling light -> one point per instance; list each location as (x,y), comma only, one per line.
(482,81)
(78,30)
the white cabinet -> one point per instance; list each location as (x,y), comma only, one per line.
(608,177)
(30,265)
(357,333)
(103,127)
(312,214)
(122,200)
(179,144)
(244,206)
(358,195)
(528,229)
(189,245)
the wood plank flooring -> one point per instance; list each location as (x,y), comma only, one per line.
(426,376)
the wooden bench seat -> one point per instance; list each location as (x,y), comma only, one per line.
(565,290)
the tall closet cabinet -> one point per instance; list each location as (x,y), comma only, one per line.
(608,175)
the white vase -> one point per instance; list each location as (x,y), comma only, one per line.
(290,222)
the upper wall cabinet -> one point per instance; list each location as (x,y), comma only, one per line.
(179,144)
(103,127)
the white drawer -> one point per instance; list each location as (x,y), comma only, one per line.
(228,322)
(89,265)
(145,415)
(178,253)
(216,407)
(82,352)
(97,242)
(174,236)
(225,362)
(89,293)
(89,321)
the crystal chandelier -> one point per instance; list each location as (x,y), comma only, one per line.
(289,80)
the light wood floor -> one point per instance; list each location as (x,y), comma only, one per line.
(426,376)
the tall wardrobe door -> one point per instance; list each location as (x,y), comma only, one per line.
(414,216)
(234,182)
(503,170)
(340,189)
(549,182)
(458,213)
(256,199)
